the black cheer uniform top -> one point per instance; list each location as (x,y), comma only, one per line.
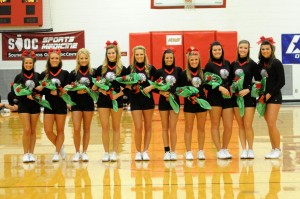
(275,76)
(81,100)
(105,101)
(24,104)
(57,104)
(138,100)
(196,82)
(223,70)
(172,75)
(251,72)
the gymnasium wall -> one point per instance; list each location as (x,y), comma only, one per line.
(116,19)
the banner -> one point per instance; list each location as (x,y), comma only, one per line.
(290,48)
(13,44)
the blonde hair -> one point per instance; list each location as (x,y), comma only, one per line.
(188,72)
(48,65)
(248,55)
(87,53)
(147,67)
(118,60)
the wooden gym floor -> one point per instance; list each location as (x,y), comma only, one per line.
(212,178)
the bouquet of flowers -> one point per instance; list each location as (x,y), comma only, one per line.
(236,87)
(27,89)
(104,83)
(131,78)
(192,94)
(160,85)
(134,79)
(54,84)
(259,90)
(212,79)
(82,84)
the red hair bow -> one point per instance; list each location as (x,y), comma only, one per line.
(57,51)
(26,53)
(270,39)
(192,50)
(32,54)
(169,48)
(108,43)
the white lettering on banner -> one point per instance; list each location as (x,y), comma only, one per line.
(174,40)
(297,56)
(58,39)
(60,46)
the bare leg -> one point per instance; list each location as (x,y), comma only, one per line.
(201,119)
(189,123)
(138,120)
(164,115)
(227,118)
(87,120)
(215,116)
(116,119)
(148,127)
(104,114)
(271,117)
(173,133)
(60,120)
(76,118)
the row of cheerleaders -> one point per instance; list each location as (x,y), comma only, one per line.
(225,89)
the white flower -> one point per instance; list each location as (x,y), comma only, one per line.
(30,84)
(110,76)
(264,73)
(171,79)
(224,73)
(84,81)
(142,77)
(239,72)
(196,82)
(56,82)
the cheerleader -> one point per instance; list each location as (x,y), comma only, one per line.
(57,115)
(28,109)
(249,68)
(193,76)
(169,73)
(142,107)
(110,69)
(220,100)
(84,108)
(273,68)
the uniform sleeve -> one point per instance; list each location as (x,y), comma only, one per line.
(45,91)
(255,71)
(71,77)
(125,71)
(98,72)
(182,79)
(153,73)
(173,88)
(279,70)
(208,68)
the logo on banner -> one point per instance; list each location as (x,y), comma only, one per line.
(22,43)
(174,40)
(290,48)
(13,44)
